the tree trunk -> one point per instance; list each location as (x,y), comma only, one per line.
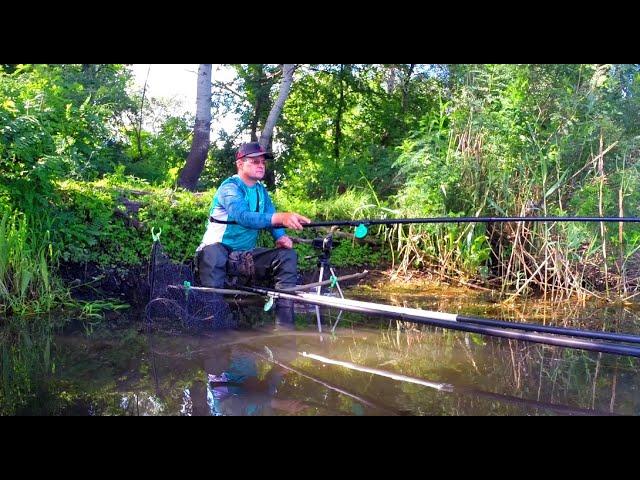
(261,90)
(338,119)
(141,115)
(405,87)
(201,133)
(391,79)
(274,114)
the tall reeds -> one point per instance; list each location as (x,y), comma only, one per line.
(524,141)
(26,255)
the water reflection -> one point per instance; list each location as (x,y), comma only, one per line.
(25,362)
(369,366)
(250,370)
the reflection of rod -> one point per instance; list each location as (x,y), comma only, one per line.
(562,409)
(446,387)
(358,398)
(154,368)
(396,376)
(450,320)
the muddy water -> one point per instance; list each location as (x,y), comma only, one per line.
(366,366)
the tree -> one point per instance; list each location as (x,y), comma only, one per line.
(274,114)
(201,132)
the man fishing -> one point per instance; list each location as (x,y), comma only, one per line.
(240,208)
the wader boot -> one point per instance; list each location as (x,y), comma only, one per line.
(284,312)
(281,264)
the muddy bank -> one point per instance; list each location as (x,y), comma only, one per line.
(89,282)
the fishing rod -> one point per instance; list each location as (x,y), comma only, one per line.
(452,321)
(361,225)
(530,327)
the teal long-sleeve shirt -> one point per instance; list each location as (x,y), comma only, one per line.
(242,212)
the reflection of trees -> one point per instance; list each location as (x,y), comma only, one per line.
(517,369)
(25,360)
(446,387)
(108,373)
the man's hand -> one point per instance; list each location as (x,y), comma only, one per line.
(284,242)
(289,220)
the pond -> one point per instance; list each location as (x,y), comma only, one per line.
(366,366)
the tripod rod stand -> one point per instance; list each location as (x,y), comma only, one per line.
(324,264)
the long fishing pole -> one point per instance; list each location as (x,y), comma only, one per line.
(362,225)
(490,322)
(393,221)
(448,320)
(536,327)
(529,327)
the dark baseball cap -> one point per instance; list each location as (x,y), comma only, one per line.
(252,149)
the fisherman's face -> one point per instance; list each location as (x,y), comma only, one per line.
(254,167)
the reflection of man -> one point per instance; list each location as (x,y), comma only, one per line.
(247,387)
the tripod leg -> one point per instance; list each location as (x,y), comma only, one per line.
(341,295)
(318,290)
(333,329)
(337,284)
(319,287)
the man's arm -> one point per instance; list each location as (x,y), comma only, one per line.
(290,220)
(231,198)
(269,207)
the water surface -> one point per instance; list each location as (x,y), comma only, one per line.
(264,369)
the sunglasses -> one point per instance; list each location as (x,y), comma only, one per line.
(256,161)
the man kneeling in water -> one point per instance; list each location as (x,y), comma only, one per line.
(240,208)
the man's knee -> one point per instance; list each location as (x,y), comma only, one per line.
(212,263)
(286,272)
(288,256)
(287,262)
